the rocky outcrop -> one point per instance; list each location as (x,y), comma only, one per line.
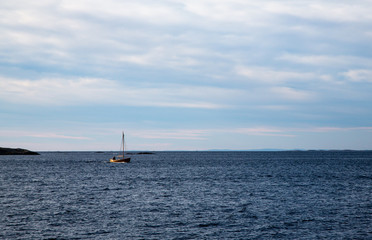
(16,151)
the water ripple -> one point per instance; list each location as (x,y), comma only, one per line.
(187,195)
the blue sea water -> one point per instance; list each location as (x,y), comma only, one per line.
(187,195)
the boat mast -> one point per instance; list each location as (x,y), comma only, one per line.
(123,144)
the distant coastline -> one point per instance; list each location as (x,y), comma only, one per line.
(16,151)
(288,150)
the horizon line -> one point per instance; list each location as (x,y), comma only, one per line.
(213,150)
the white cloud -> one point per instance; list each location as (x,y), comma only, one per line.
(205,134)
(338,11)
(275,107)
(267,75)
(359,75)
(87,91)
(184,134)
(327,60)
(225,13)
(144,11)
(165,34)
(83,91)
(314,59)
(34,134)
(292,94)
(55,91)
(337,129)
(172,56)
(262,131)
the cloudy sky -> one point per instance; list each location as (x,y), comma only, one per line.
(186,75)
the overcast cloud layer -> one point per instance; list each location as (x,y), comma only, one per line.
(187,75)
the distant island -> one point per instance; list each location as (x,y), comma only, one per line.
(286,150)
(139,153)
(16,151)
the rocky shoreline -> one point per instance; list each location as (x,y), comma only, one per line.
(16,151)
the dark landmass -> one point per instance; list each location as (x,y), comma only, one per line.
(249,150)
(138,153)
(16,151)
(288,150)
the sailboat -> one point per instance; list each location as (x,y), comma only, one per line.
(121,158)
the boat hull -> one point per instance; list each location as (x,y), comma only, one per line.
(123,160)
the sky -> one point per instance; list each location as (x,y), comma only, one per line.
(186,75)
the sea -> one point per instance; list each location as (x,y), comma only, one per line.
(187,195)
